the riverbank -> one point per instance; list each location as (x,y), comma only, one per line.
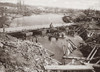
(22,55)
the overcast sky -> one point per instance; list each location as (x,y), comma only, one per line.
(76,4)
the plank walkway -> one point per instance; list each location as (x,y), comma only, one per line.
(68,67)
(27,28)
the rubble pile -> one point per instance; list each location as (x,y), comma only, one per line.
(23,56)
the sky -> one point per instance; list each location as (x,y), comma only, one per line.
(75,4)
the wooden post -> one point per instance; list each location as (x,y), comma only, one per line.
(91,53)
(98,62)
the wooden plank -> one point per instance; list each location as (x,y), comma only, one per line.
(34,27)
(93,65)
(78,58)
(68,67)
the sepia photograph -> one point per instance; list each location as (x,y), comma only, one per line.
(49,35)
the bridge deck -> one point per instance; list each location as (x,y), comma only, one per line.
(26,28)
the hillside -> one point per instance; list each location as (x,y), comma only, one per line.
(7,4)
(37,9)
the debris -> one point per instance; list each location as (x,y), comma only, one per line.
(23,56)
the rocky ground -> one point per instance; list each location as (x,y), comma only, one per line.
(22,55)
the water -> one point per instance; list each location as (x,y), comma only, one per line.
(53,45)
(56,46)
(37,20)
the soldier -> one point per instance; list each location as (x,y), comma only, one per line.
(51,26)
(36,40)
